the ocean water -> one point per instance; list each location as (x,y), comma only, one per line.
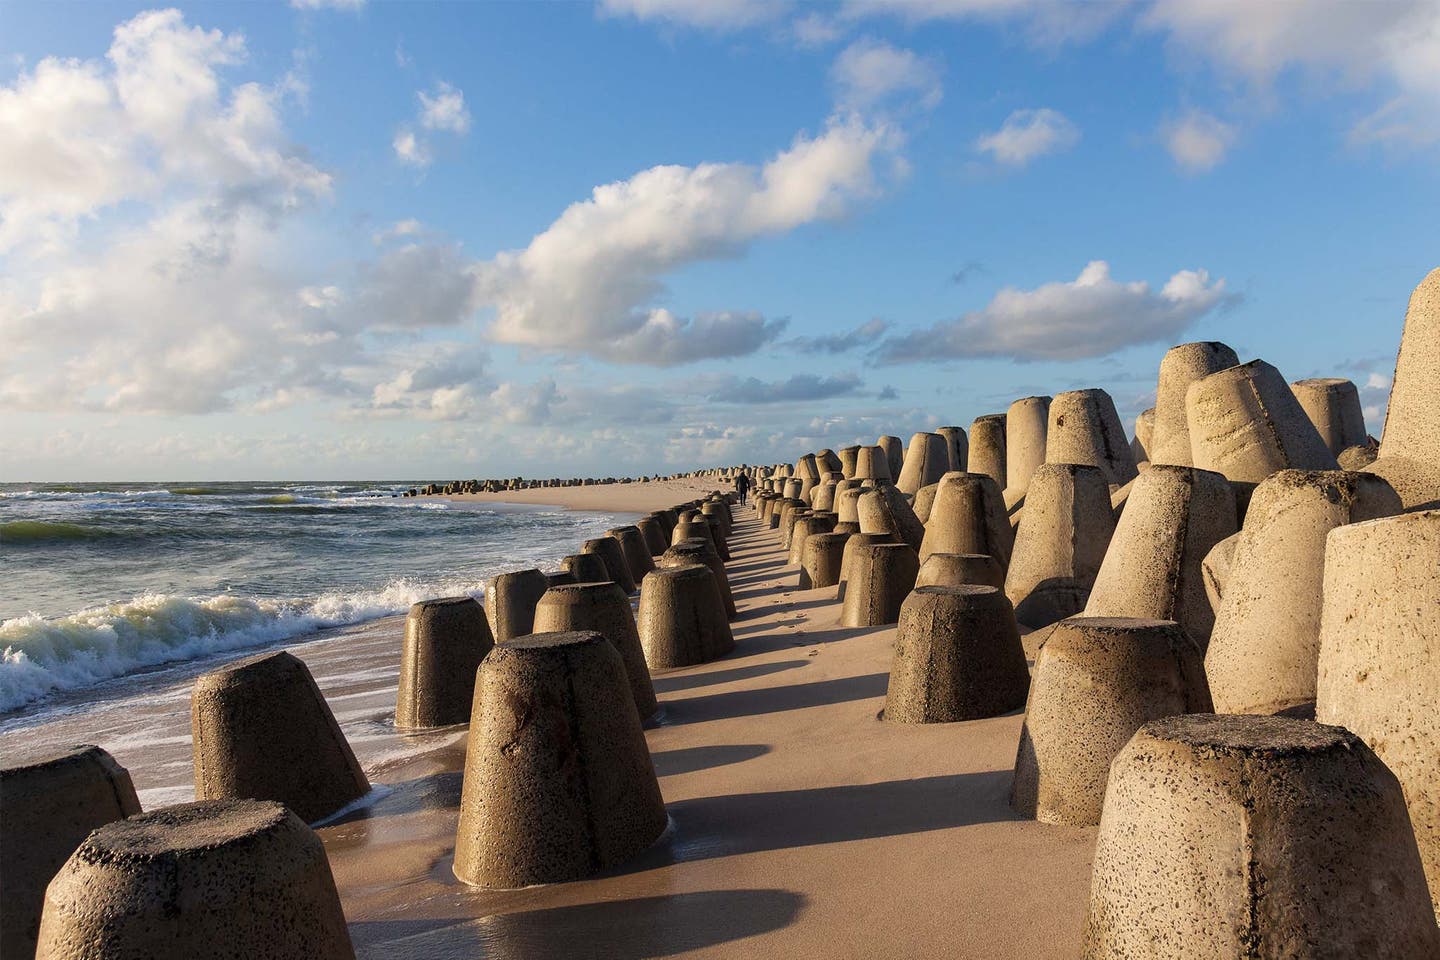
(103,585)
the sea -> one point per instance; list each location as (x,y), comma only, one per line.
(115,596)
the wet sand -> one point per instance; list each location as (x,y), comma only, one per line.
(801,825)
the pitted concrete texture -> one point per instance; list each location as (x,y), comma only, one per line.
(49,803)
(698,550)
(1246,423)
(1179,368)
(879,577)
(445,640)
(828,460)
(792,488)
(720,511)
(1060,546)
(653,531)
(1084,428)
(718,538)
(969,517)
(1144,436)
(885,510)
(1358,457)
(1266,643)
(1096,681)
(603,608)
(585,568)
(987,447)
(823,496)
(553,578)
(234,878)
(894,452)
(1215,569)
(263,731)
(1152,568)
(1410,445)
(806,527)
(1254,837)
(849,459)
(847,505)
(1379,670)
(873,463)
(957,657)
(558,779)
(510,600)
(608,550)
(788,520)
(927,459)
(701,528)
(1026,423)
(925,501)
(1333,406)
(637,554)
(682,618)
(958,446)
(824,554)
(847,557)
(959,569)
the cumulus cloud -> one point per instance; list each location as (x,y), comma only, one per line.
(871,73)
(798,387)
(1028,134)
(863,335)
(1090,316)
(442,110)
(589,282)
(1198,141)
(721,15)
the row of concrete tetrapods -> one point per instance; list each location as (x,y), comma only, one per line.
(1196,599)
(554,684)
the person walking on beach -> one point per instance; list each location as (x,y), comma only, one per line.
(742,484)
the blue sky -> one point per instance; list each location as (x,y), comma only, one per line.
(410,240)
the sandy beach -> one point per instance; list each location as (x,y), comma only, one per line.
(640,497)
(801,825)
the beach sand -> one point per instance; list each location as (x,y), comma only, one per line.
(801,825)
(639,497)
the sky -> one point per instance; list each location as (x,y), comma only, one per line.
(355,239)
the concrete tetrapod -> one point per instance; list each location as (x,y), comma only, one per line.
(263,731)
(558,779)
(1084,428)
(653,530)
(927,459)
(958,446)
(1060,546)
(1152,568)
(969,517)
(806,527)
(1026,423)
(1266,643)
(1333,406)
(1246,423)
(957,657)
(1254,837)
(585,567)
(824,555)
(1410,445)
(872,464)
(682,618)
(987,447)
(885,510)
(603,608)
(1144,436)
(822,498)
(925,501)
(720,512)
(847,505)
(879,576)
(1379,668)
(235,878)
(959,569)
(1096,681)
(695,550)
(847,556)
(554,578)
(511,598)
(788,520)
(608,550)
(637,554)
(48,804)
(849,458)
(1180,367)
(894,457)
(445,640)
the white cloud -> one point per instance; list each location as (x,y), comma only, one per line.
(1028,134)
(1090,316)
(442,110)
(816,30)
(866,333)
(1045,22)
(1198,141)
(871,73)
(795,388)
(588,283)
(720,15)
(327,4)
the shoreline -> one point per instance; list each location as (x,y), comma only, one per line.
(640,497)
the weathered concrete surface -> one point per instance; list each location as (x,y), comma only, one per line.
(682,618)
(1060,546)
(445,640)
(879,576)
(1026,423)
(958,569)
(1410,446)
(1084,428)
(1179,368)
(1246,424)
(510,601)
(987,447)
(604,609)
(1333,406)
